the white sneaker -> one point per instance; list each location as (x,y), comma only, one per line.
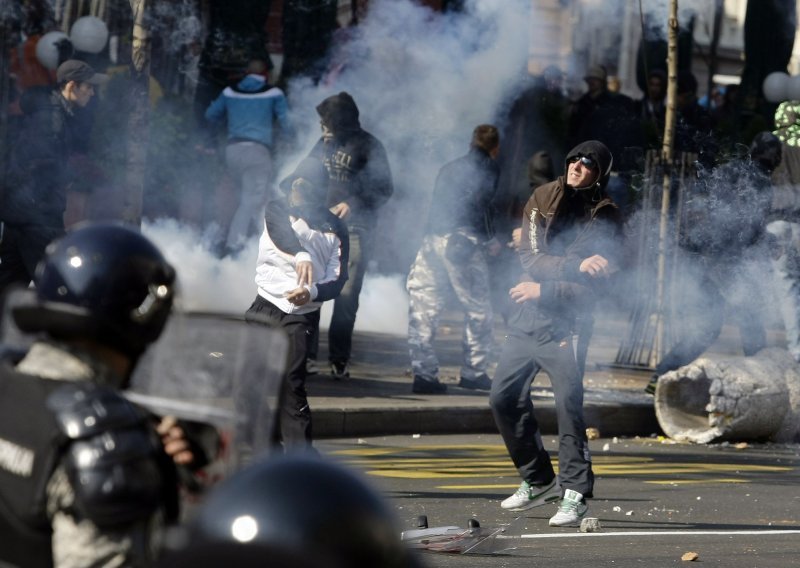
(570,511)
(529,496)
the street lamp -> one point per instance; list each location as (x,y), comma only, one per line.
(89,34)
(779,87)
(49,47)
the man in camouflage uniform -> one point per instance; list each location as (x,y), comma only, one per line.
(453,254)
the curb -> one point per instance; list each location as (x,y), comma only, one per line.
(637,419)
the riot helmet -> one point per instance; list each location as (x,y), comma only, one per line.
(298,511)
(101,282)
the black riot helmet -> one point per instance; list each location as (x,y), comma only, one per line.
(104,283)
(298,511)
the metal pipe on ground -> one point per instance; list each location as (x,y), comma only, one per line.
(718,398)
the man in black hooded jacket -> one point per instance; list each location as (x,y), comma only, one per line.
(569,248)
(360,184)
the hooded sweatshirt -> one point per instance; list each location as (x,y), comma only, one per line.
(562,226)
(251,107)
(356,162)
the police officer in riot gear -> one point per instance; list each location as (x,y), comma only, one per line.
(297,511)
(86,477)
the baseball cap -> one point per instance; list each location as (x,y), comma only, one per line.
(596,72)
(74,70)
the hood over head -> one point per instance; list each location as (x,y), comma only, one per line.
(599,153)
(339,113)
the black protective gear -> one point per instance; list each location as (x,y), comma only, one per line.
(114,459)
(292,512)
(104,283)
(28,450)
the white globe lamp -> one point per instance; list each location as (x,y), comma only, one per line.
(776,87)
(47,49)
(89,34)
(793,88)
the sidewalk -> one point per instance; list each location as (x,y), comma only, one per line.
(377,399)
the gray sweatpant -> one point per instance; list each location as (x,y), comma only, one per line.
(524,355)
(250,165)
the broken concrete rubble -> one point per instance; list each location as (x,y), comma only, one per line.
(732,398)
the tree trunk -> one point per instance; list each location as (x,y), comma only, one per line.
(138,122)
(666,160)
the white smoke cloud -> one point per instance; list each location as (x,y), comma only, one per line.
(422,80)
(206,282)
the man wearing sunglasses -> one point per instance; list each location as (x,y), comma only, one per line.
(570,246)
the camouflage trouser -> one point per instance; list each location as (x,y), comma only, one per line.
(456,261)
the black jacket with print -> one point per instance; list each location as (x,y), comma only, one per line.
(356,162)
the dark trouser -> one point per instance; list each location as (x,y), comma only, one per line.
(345,306)
(294,422)
(21,249)
(524,355)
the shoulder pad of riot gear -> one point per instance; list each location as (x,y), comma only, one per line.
(85,409)
(113,458)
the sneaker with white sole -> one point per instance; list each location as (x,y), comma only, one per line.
(570,511)
(529,496)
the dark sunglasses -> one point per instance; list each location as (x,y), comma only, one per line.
(585,160)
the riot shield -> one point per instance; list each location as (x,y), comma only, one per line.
(206,368)
(216,369)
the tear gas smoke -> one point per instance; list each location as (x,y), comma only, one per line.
(422,80)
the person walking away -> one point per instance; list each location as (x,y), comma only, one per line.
(250,108)
(459,236)
(570,247)
(283,302)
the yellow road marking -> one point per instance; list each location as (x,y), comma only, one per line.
(491,460)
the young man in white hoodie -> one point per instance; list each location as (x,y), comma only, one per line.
(284,300)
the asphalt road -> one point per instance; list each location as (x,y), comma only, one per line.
(734,506)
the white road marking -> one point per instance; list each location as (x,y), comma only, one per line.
(661,533)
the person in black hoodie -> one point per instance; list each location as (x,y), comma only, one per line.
(35,190)
(728,246)
(453,254)
(569,249)
(360,183)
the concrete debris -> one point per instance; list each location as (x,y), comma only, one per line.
(719,398)
(590,524)
(592,433)
(690,556)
